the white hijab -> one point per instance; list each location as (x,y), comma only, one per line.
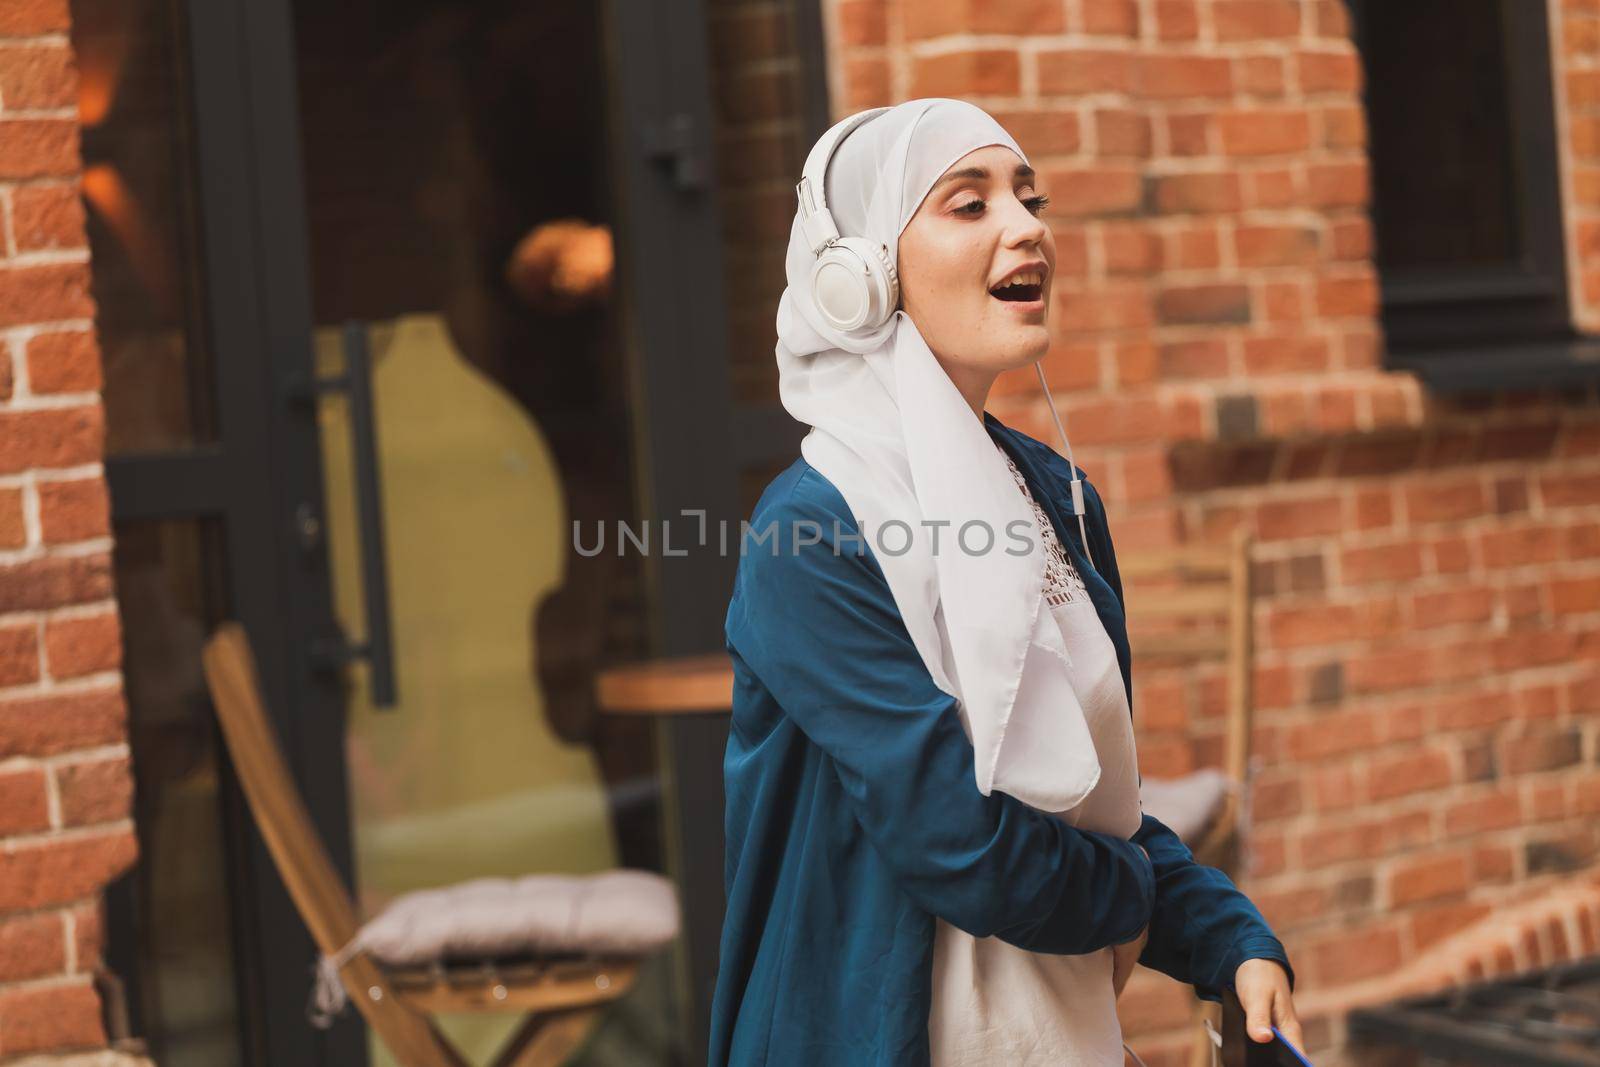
(895,437)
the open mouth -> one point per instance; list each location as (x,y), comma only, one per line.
(1023,289)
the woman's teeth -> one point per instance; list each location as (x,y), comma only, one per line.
(1022,287)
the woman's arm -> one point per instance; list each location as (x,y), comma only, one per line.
(817,624)
(1202,926)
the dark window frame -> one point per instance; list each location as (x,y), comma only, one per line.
(1505,324)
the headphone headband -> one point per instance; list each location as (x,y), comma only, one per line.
(815,218)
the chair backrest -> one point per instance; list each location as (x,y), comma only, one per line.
(269,789)
(1201,610)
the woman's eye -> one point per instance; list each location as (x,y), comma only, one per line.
(1035,204)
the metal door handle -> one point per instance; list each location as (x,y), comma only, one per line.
(378,648)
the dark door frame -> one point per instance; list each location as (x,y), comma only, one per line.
(262,479)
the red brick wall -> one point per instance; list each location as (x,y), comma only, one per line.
(1575,32)
(64,778)
(1428,670)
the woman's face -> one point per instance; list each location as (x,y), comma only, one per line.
(977,229)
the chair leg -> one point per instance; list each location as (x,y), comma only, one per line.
(548,1039)
(1203,1054)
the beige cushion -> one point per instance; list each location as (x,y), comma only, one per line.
(614,913)
(1188,804)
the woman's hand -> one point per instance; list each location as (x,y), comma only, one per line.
(1263,989)
(1124,958)
(1126,955)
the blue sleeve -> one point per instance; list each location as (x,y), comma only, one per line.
(1202,926)
(813,618)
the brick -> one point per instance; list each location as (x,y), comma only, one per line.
(1344,127)
(38,148)
(50,872)
(862,23)
(1197,247)
(1194,359)
(1275,246)
(1563,854)
(1406,773)
(987,72)
(13,528)
(54,581)
(1432,878)
(45,292)
(1217,303)
(101,791)
(61,722)
(1177,20)
(1575,596)
(1259,76)
(1452,607)
(1099,190)
(52,437)
(23,804)
(1493,864)
(32,18)
(32,946)
(867,82)
(1190,134)
(1570,490)
(1543,751)
(1446,501)
(1278,520)
(1107,18)
(34,1019)
(37,76)
(1272,187)
(1347,297)
(1350,956)
(19,654)
(82,645)
(1337,184)
(1434,924)
(1332,18)
(1263,133)
(1201,193)
(1352,239)
(1287,354)
(937,18)
(1042,133)
(1074,71)
(46,217)
(88,936)
(1101,308)
(1119,132)
(1256,20)
(1130,249)
(1329,72)
(1183,77)
(76,510)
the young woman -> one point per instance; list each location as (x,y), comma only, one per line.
(935,848)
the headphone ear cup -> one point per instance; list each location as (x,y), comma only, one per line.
(854,284)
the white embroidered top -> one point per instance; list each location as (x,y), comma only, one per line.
(992,1001)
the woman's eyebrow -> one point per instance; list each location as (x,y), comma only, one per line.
(982,174)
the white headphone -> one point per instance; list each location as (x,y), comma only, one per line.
(853,280)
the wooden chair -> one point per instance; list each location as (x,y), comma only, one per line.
(562,997)
(1202,610)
